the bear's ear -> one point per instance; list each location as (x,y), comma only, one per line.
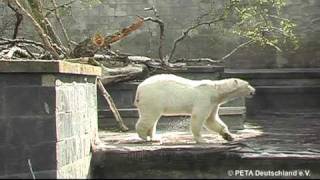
(236,82)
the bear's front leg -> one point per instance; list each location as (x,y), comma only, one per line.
(152,133)
(146,124)
(214,123)
(197,119)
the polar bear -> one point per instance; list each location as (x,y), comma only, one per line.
(171,95)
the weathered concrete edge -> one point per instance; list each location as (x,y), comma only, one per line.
(47,66)
(280,73)
(125,150)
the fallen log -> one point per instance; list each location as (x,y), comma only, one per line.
(13,52)
(130,72)
(132,67)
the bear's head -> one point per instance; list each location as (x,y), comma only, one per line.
(242,88)
(231,88)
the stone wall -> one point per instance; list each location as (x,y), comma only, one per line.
(111,15)
(48,117)
(281,92)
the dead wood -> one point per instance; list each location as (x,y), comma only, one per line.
(6,41)
(124,32)
(36,7)
(161,26)
(45,38)
(130,72)
(64,31)
(19,18)
(112,106)
(90,46)
(14,52)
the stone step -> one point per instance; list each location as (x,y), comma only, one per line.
(281,73)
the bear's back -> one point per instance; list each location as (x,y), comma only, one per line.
(167,79)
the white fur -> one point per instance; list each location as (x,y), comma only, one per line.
(171,95)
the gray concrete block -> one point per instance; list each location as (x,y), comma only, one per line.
(32,130)
(20,79)
(43,156)
(66,151)
(28,101)
(50,174)
(79,169)
(3,134)
(72,149)
(65,126)
(47,119)
(2,104)
(64,96)
(16,158)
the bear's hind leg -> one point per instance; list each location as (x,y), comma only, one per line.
(214,123)
(142,130)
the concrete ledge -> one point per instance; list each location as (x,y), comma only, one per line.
(47,66)
(197,69)
(281,73)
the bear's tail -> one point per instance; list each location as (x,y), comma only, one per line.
(136,99)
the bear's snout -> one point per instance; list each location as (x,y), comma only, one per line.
(252,91)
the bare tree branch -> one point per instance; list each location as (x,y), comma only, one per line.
(154,10)
(161,26)
(215,61)
(28,51)
(14,51)
(236,49)
(5,41)
(40,31)
(50,11)
(209,60)
(19,18)
(57,14)
(186,32)
(37,13)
